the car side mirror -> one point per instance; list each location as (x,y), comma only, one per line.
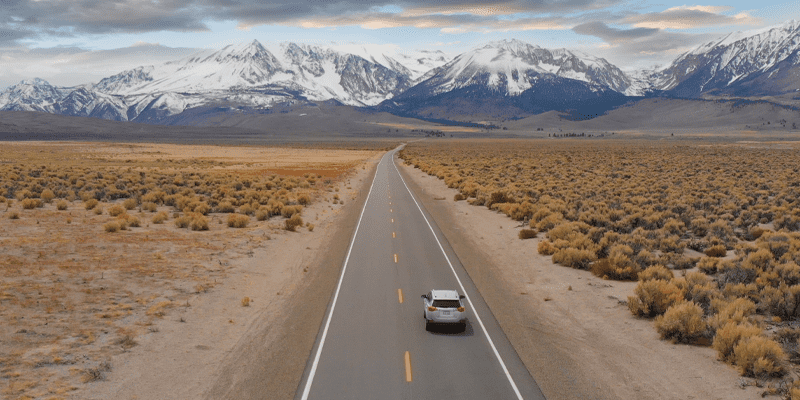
(462,297)
(424,297)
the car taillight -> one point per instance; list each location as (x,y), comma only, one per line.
(431,308)
(460,309)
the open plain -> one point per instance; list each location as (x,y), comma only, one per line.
(130,271)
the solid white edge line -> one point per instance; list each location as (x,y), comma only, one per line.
(314,365)
(480,322)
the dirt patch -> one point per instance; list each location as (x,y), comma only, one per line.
(569,327)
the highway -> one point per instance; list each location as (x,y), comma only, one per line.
(373,343)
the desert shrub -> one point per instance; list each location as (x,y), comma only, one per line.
(729,335)
(574,258)
(654,297)
(304,199)
(98,210)
(716,251)
(293,222)
(116,210)
(30,204)
(183,221)
(789,273)
(225,207)
(149,206)
(605,268)
(47,195)
(682,322)
(130,203)
(128,220)
(546,248)
(548,222)
(527,233)
(708,265)
(289,211)
(783,301)
(62,205)
(759,357)
(732,273)
(13,215)
(90,204)
(737,311)
(247,209)
(459,197)
(310,227)
(698,288)
(238,221)
(699,226)
(160,217)
(262,214)
(112,226)
(199,222)
(656,272)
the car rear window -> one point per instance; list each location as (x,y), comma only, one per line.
(446,304)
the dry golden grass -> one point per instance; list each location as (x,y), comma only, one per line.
(71,295)
(628,210)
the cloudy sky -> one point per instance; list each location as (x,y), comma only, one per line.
(69,42)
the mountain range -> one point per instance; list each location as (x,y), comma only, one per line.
(506,79)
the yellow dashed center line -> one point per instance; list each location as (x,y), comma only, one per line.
(395,258)
(390,210)
(392,219)
(408,366)
(400,295)
(393,235)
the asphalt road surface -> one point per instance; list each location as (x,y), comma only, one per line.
(373,343)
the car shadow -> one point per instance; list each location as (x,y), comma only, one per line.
(451,329)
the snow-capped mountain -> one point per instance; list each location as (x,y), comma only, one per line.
(247,74)
(514,74)
(733,65)
(513,66)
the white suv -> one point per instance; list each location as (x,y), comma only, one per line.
(444,307)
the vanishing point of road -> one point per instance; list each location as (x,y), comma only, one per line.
(373,343)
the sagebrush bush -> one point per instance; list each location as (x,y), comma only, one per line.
(759,357)
(160,217)
(708,265)
(527,233)
(30,204)
(116,210)
(654,297)
(729,335)
(225,207)
(716,251)
(783,301)
(62,205)
(293,222)
(199,222)
(546,248)
(183,221)
(238,221)
(90,204)
(574,258)
(682,322)
(13,215)
(130,203)
(47,195)
(112,226)
(604,268)
(656,272)
(149,206)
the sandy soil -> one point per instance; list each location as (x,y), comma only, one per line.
(570,328)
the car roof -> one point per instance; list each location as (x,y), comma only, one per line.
(444,294)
